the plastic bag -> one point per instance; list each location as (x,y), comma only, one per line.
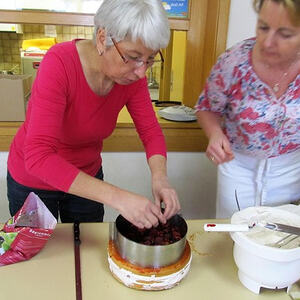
(27,232)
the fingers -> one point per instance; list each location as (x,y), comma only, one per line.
(217,156)
(170,199)
(143,223)
(172,205)
(163,192)
(143,214)
(215,153)
(157,216)
(220,156)
(219,150)
(148,224)
(217,159)
(153,218)
(214,157)
(228,151)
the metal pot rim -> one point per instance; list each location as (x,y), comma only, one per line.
(148,255)
(176,219)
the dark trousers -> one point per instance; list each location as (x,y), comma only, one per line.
(68,207)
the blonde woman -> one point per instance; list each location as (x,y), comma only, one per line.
(250,112)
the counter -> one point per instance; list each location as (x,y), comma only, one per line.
(50,274)
(180,136)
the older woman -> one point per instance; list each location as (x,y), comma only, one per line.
(80,88)
(250,112)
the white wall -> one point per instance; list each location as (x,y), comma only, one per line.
(242,20)
(193,176)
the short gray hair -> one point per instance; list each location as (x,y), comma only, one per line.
(145,20)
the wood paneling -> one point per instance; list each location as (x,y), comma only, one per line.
(215,34)
(180,136)
(61,18)
(186,137)
(166,70)
(194,52)
(7,133)
(178,140)
(206,39)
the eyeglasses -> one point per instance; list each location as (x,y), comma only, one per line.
(136,62)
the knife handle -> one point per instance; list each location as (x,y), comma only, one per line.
(76,232)
(225,227)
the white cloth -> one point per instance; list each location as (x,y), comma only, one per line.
(269,182)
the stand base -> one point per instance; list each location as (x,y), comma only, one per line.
(254,286)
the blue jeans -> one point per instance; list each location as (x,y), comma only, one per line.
(69,208)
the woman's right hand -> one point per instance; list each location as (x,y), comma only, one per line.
(137,209)
(218,149)
(140,211)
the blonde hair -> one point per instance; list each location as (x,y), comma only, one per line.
(293,7)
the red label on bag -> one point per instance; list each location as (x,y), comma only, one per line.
(27,243)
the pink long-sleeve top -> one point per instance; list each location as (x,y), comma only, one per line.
(66,123)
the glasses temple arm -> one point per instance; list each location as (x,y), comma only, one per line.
(122,56)
(161,56)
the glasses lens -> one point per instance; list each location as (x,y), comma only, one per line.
(136,63)
(147,63)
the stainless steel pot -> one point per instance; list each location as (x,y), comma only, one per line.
(144,255)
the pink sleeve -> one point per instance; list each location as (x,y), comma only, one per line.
(142,112)
(46,115)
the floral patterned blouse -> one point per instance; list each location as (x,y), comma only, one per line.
(255,121)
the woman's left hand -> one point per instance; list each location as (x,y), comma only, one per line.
(163,192)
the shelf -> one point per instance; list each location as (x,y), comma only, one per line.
(64,18)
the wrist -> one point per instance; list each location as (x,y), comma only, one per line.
(160,175)
(214,131)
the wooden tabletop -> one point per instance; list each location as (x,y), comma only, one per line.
(50,274)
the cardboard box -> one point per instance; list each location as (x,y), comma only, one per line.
(14,94)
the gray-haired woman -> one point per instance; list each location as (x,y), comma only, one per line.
(79,90)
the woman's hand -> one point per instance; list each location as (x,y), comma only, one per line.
(218,149)
(163,192)
(161,188)
(140,211)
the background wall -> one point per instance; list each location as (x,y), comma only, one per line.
(193,176)
(242,21)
